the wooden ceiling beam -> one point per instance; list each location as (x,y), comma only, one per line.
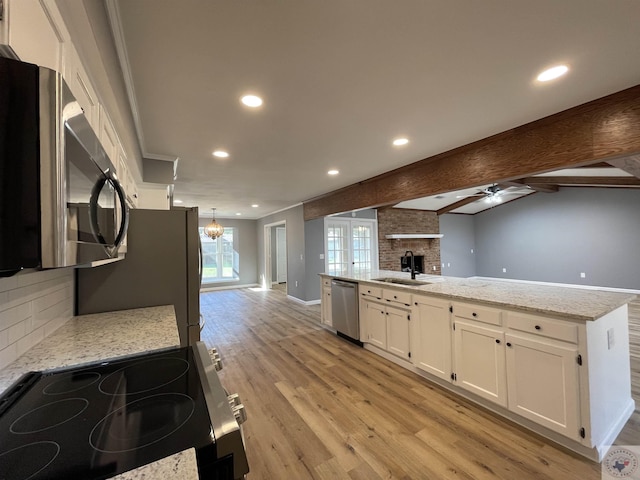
(628,164)
(596,131)
(458,204)
(604,181)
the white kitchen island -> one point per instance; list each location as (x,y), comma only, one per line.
(553,359)
(90,338)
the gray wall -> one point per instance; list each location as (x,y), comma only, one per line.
(457,244)
(314,247)
(247,248)
(296,280)
(553,237)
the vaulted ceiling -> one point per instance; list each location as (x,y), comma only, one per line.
(341,79)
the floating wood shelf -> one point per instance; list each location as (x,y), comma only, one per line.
(414,235)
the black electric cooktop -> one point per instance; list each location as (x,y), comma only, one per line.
(102,419)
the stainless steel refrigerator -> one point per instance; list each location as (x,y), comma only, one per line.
(162,266)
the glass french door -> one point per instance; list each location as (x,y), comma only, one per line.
(351,247)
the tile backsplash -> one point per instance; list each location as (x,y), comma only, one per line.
(32,306)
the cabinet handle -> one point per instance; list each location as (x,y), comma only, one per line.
(538,327)
(474,314)
(497,340)
(368,291)
(387,313)
(415,303)
(395,296)
(508,344)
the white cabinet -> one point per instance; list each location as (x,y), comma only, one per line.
(27,29)
(80,86)
(543,374)
(398,331)
(480,360)
(325,303)
(431,336)
(107,136)
(385,318)
(374,321)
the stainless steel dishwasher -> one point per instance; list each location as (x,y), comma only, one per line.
(344,310)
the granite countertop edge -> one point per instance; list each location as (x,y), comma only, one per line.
(571,303)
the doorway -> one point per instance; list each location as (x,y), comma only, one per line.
(275,256)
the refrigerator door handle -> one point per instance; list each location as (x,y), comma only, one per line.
(200,260)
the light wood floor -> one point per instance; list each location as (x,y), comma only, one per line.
(321,408)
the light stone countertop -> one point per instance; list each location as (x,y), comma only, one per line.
(181,466)
(567,303)
(100,336)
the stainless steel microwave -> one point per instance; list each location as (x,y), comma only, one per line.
(61,203)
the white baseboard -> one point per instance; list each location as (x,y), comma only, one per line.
(303,302)
(568,285)
(228,287)
(604,445)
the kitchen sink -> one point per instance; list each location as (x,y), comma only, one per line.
(400,281)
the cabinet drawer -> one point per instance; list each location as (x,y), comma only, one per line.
(397,296)
(544,327)
(479,314)
(369,291)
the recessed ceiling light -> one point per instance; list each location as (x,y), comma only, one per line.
(333,172)
(398,142)
(220,154)
(255,205)
(238,213)
(252,101)
(553,73)
(177,201)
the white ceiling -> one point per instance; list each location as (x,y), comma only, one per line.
(340,79)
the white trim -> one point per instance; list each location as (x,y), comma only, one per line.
(567,285)
(115,20)
(228,287)
(303,302)
(267,281)
(281,210)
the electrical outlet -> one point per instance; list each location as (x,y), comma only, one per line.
(443,265)
(583,275)
(434,267)
(472,250)
(448,264)
(610,339)
(296,283)
(504,270)
(322,256)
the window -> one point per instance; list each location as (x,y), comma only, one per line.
(220,258)
(351,246)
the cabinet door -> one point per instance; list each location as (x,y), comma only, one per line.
(398,332)
(375,323)
(27,28)
(480,360)
(543,383)
(431,336)
(326,307)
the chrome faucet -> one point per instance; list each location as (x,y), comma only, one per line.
(413,264)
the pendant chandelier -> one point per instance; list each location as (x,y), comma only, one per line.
(214,229)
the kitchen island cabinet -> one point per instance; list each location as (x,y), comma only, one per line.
(553,359)
(431,336)
(480,364)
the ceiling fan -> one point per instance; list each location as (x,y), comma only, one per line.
(495,193)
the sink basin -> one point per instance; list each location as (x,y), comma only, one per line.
(400,281)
